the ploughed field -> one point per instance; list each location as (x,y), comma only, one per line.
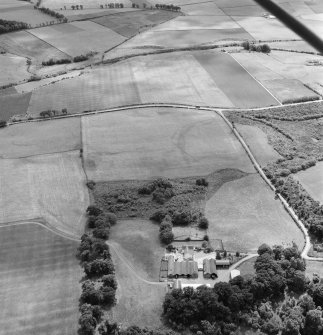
(39,278)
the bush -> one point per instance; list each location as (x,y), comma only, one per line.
(182,218)
(102,233)
(165,225)
(110,281)
(246,45)
(202,182)
(166,236)
(265,48)
(80,58)
(3,123)
(204,223)
(158,216)
(93,210)
(206,238)
(90,184)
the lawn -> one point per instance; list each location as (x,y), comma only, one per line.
(79,37)
(28,139)
(39,276)
(242,89)
(129,24)
(138,241)
(13,104)
(312,180)
(247,267)
(143,144)
(244,214)
(51,187)
(13,69)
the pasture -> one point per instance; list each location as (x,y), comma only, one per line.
(129,24)
(245,214)
(138,241)
(13,104)
(138,302)
(39,278)
(147,143)
(258,144)
(36,138)
(79,37)
(13,69)
(51,187)
(312,180)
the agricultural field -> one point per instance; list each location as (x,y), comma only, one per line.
(50,187)
(36,138)
(58,4)
(79,37)
(14,69)
(245,214)
(39,278)
(312,180)
(13,104)
(129,24)
(148,143)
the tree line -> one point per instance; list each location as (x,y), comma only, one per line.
(8,26)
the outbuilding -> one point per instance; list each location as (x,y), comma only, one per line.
(234,273)
(209,268)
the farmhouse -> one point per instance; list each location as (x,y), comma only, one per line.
(209,268)
(182,269)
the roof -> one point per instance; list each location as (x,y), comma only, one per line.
(183,268)
(209,266)
(234,273)
(170,265)
(222,262)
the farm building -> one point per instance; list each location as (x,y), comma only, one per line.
(234,273)
(224,263)
(182,269)
(179,285)
(188,252)
(209,268)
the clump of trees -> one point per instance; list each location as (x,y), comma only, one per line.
(264,48)
(3,123)
(52,13)
(220,310)
(168,7)
(52,61)
(166,235)
(99,288)
(77,7)
(8,26)
(52,112)
(113,5)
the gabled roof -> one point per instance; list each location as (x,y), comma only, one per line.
(209,266)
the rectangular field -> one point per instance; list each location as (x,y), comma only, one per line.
(13,104)
(51,187)
(36,138)
(148,143)
(234,80)
(79,37)
(13,69)
(39,282)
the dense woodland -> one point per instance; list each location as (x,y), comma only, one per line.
(8,26)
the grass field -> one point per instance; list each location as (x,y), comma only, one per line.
(129,24)
(13,104)
(78,38)
(39,278)
(138,303)
(25,44)
(312,180)
(314,267)
(13,69)
(142,144)
(208,8)
(258,143)
(27,139)
(244,214)
(138,241)
(247,267)
(51,187)
(25,13)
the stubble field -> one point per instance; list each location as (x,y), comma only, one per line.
(39,277)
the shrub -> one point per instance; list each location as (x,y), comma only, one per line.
(246,45)
(108,295)
(110,281)
(93,210)
(166,236)
(206,238)
(102,233)
(204,223)
(165,226)
(99,267)
(202,182)
(90,184)
(3,123)
(182,218)
(80,58)
(158,216)
(205,244)
(265,48)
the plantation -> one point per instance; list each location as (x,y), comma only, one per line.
(39,282)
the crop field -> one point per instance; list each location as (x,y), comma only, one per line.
(25,44)
(138,303)
(51,187)
(258,143)
(36,138)
(39,278)
(244,214)
(13,104)
(14,69)
(78,38)
(312,180)
(208,8)
(146,143)
(130,23)
(234,81)
(25,14)
(292,45)
(138,241)
(286,90)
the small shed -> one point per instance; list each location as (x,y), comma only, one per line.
(234,273)
(209,268)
